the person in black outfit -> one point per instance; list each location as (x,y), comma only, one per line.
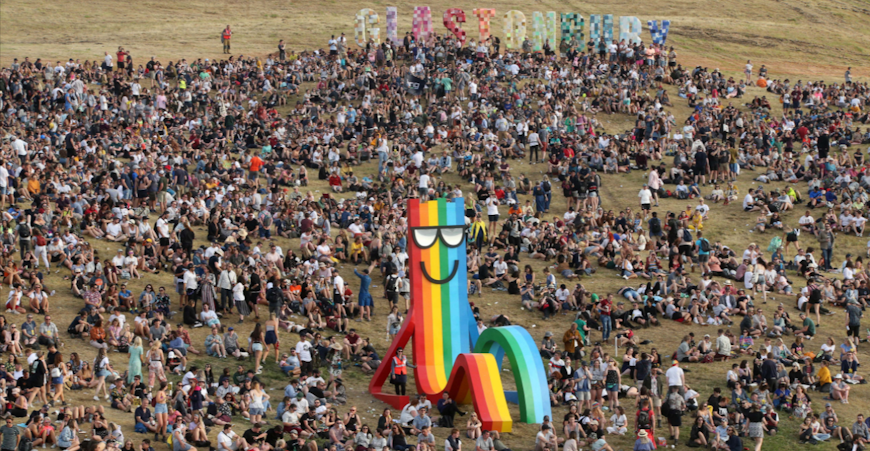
(255,434)
(769,372)
(37,376)
(448,410)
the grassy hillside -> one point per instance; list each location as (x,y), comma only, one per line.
(808,38)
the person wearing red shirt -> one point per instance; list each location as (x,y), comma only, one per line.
(335,183)
(803,131)
(121,58)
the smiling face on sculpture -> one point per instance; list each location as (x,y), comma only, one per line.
(450,237)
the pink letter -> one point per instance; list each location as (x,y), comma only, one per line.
(421,27)
(452,26)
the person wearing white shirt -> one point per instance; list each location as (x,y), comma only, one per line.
(4,185)
(675,375)
(492,213)
(807,221)
(702,208)
(303,350)
(423,187)
(562,294)
(229,440)
(190,284)
(500,266)
(20,148)
(226,281)
(117,316)
(211,250)
(114,231)
(570,215)
(208,316)
(338,284)
(646,198)
(534,146)
(118,260)
(749,203)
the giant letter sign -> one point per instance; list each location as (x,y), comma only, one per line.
(544,30)
(514,29)
(421,27)
(630,29)
(366,15)
(572,27)
(659,35)
(393,25)
(484,16)
(453,26)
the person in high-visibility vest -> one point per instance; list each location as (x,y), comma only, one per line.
(399,371)
(225,38)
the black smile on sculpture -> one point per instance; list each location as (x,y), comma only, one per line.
(442,281)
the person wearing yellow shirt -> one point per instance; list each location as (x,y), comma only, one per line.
(34,187)
(478,232)
(824,378)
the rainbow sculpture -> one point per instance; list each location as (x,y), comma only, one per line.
(444,332)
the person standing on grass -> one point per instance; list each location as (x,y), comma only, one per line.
(226,35)
(826,244)
(11,434)
(365,298)
(646,198)
(853,322)
(399,371)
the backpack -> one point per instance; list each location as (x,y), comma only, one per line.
(392,284)
(273,295)
(643,421)
(24,232)
(705,245)
(26,444)
(655,225)
(687,236)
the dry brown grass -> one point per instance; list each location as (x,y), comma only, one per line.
(808,38)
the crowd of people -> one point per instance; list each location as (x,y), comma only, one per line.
(154,159)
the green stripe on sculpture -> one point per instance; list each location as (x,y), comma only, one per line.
(532,393)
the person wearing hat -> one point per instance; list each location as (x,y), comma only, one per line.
(643,442)
(548,346)
(839,389)
(399,371)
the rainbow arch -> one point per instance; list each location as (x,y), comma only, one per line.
(526,367)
